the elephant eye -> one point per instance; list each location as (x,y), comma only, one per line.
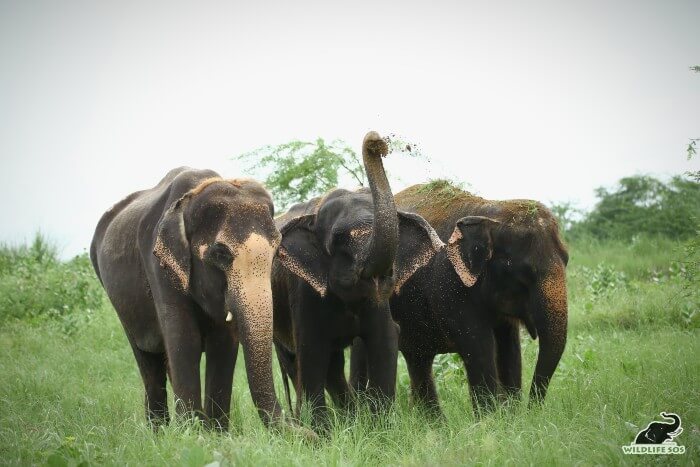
(344,254)
(210,211)
(219,255)
(340,238)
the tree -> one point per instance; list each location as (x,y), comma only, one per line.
(691,149)
(300,170)
(567,215)
(692,247)
(644,205)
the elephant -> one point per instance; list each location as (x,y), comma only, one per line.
(660,432)
(332,278)
(186,265)
(502,265)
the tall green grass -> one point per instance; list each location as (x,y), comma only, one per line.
(68,399)
(631,284)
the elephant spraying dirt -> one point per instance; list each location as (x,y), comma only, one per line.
(334,273)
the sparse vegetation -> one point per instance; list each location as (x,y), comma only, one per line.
(443,188)
(441,191)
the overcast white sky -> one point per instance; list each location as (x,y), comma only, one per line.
(542,100)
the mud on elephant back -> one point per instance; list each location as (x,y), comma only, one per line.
(186,265)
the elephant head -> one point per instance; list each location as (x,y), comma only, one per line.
(519,272)
(347,246)
(216,243)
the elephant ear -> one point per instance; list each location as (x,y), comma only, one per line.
(470,247)
(172,248)
(302,255)
(418,243)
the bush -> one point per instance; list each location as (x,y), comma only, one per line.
(691,261)
(604,279)
(35,284)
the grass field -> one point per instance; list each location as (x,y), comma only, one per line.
(70,392)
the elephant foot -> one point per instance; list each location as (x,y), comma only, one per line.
(292,428)
(509,400)
(157,423)
(431,410)
(219,425)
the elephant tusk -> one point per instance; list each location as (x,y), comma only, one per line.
(229,317)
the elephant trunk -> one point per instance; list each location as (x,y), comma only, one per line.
(676,421)
(253,316)
(379,256)
(550,318)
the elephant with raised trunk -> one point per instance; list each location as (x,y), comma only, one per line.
(502,266)
(187,266)
(332,278)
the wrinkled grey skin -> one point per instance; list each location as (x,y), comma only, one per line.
(187,265)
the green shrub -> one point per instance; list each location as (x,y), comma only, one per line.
(691,262)
(35,284)
(604,279)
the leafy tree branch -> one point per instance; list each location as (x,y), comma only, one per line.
(299,170)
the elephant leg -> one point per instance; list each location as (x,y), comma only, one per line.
(336,384)
(508,359)
(477,347)
(312,353)
(358,365)
(152,367)
(183,344)
(221,352)
(423,392)
(381,336)
(312,359)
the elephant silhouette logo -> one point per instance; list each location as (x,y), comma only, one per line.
(660,432)
(658,437)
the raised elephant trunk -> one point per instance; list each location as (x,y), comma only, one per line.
(550,312)
(381,251)
(253,323)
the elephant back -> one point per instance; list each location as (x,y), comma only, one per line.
(442,204)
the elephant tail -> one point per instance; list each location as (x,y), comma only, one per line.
(284,361)
(285,383)
(93,259)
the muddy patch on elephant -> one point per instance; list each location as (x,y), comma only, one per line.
(167,258)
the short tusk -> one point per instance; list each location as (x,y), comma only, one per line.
(229,317)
